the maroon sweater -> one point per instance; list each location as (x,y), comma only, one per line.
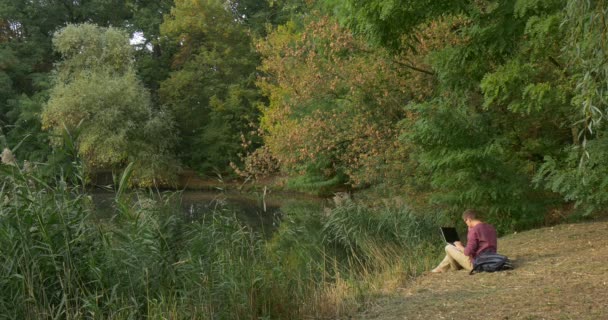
(480,238)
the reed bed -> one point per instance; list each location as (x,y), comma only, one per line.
(150,261)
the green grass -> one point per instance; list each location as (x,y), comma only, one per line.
(148,261)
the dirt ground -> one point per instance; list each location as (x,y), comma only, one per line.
(561,272)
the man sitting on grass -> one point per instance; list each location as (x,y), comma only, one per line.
(481,238)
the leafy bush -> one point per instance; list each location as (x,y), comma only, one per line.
(580,176)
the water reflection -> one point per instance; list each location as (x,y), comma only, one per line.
(259,210)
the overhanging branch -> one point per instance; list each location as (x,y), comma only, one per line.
(407,65)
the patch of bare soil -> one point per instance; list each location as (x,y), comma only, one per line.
(560,272)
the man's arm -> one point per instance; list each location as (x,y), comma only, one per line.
(472,243)
(459,245)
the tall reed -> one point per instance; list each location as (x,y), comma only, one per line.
(150,261)
(46,245)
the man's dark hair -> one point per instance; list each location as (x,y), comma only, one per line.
(470,214)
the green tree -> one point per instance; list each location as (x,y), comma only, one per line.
(97,94)
(258,15)
(27,58)
(502,101)
(154,52)
(579,172)
(211,89)
(386,22)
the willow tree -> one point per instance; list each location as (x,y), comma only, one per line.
(27,58)
(97,97)
(580,172)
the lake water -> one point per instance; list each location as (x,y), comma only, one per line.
(256,209)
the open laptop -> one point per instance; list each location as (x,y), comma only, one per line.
(450,235)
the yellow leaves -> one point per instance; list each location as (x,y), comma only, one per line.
(332,98)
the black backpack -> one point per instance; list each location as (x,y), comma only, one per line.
(491,262)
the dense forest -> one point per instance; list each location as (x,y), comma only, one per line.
(495,105)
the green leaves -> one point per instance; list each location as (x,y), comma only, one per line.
(210,90)
(97,93)
(586,52)
(89,48)
(386,22)
(581,179)
(27,58)
(514,86)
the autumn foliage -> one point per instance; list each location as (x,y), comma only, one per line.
(337,104)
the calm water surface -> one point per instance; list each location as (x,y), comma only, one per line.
(258,210)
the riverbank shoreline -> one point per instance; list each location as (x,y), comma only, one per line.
(192,181)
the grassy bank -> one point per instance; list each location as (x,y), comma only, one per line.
(560,273)
(148,261)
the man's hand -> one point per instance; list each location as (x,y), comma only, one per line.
(459,245)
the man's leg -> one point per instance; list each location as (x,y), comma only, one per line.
(459,258)
(453,260)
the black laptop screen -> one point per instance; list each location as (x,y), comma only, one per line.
(450,235)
